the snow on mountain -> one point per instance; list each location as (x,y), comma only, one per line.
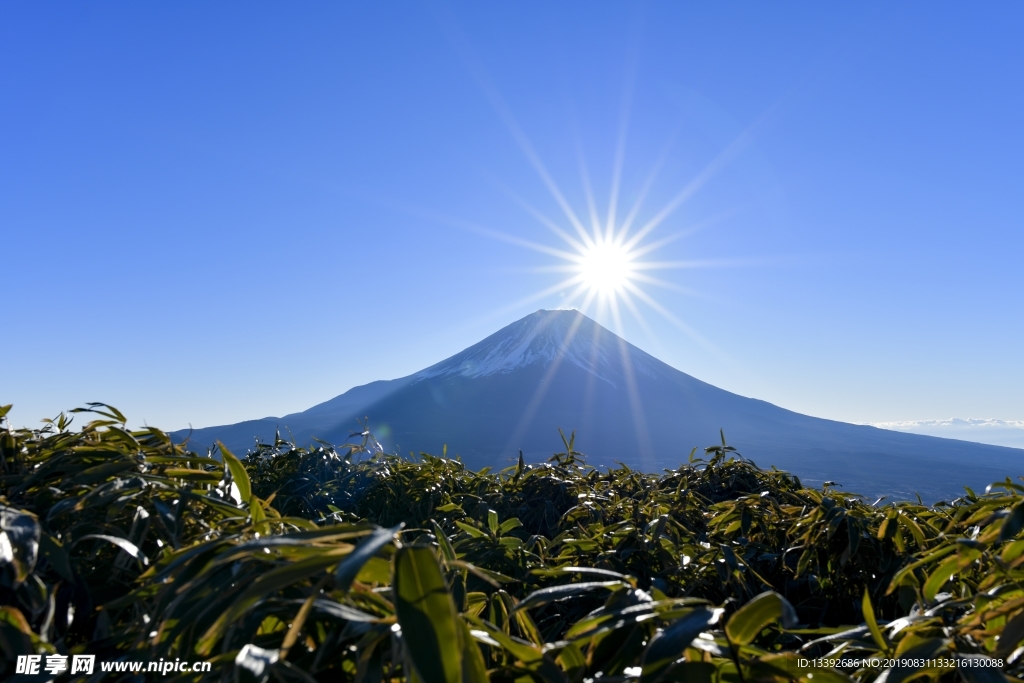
(544,338)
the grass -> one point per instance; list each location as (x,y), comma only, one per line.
(341,563)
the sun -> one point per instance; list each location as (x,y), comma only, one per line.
(606,268)
(608,261)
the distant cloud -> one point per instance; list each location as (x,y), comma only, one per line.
(981,430)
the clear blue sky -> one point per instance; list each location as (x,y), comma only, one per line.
(218,211)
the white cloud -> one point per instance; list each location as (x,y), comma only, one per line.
(982,430)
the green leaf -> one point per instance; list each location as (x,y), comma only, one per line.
(1011,635)
(100,473)
(491,577)
(937,579)
(905,571)
(471,530)
(869,619)
(555,593)
(1012,551)
(1013,523)
(238,474)
(426,613)
(201,476)
(754,616)
(349,568)
(54,552)
(913,527)
(111,411)
(527,653)
(16,635)
(342,611)
(474,669)
(667,646)
(508,525)
(579,570)
(447,551)
(267,585)
(572,661)
(122,543)
(256,510)
(376,570)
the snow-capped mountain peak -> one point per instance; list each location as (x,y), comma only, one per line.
(544,338)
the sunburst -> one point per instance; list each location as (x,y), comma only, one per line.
(606,264)
(606,267)
(608,261)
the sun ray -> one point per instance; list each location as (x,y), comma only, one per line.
(580,290)
(555,191)
(613,305)
(504,112)
(664,284)
(556,268)
(627,299)
(613,201)
(699,263)
(546,221)
(589,297)
(683,327)
(588,190)
(518,241)
(592,379)
(536,296)
(639,251)
(636,253)
(691,188)
(625,108)
(541,391)
(627,222)
(632,391)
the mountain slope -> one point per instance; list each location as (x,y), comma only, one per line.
(560,369)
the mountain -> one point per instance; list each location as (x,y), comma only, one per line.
(560,369)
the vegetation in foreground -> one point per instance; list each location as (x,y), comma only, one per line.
(348,564)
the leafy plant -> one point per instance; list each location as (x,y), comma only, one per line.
(350,564)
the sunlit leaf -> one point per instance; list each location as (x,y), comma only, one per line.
(756,615)
(427,615)
(239,477)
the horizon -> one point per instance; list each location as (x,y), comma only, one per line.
(310,199)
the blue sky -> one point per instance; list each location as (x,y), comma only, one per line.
(213,212)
